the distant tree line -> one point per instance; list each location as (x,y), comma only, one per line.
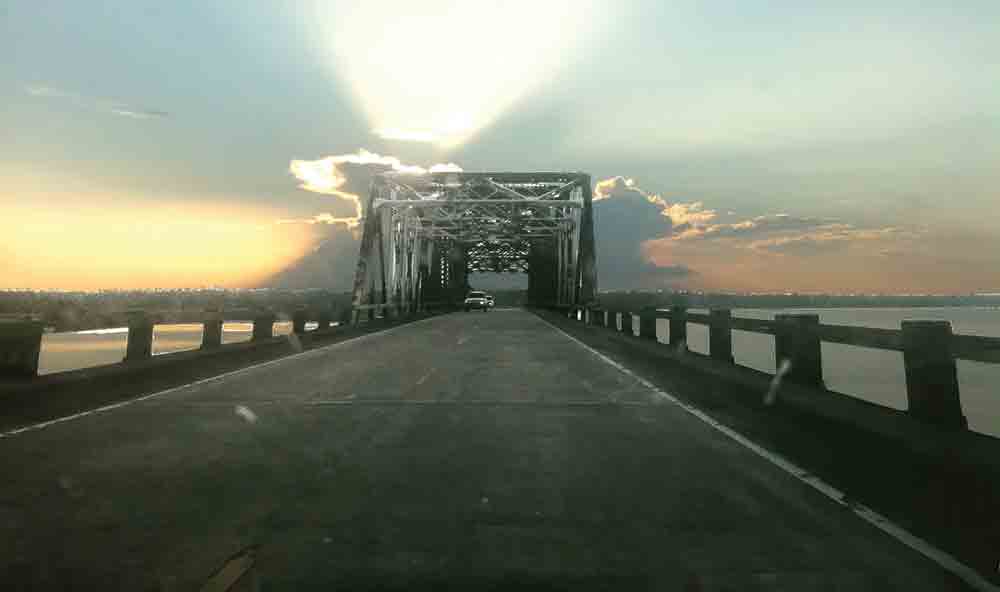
(629,300)
(76,311)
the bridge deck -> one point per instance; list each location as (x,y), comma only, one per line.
(474,446)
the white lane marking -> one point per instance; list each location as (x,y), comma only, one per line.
(941,558)
(305,354)
(424,378)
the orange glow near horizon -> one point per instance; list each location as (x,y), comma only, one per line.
(861,268)
(108,244)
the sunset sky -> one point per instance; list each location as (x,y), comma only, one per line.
(734,145)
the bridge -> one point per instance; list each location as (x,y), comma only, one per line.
(424,234)
(562,446)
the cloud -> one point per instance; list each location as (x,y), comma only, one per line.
(760,225)
(325,218)
(673,271)
(449,167)
(647,241)
(791,235)
(139,114)
(610,187)
(347,176)
(680,214)
(110,106)
(644,240)
(829,238)
(37,90)
(330,264)
(626,218)
(406,135)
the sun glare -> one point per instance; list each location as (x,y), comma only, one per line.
(442,71)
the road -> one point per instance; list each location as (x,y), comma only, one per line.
(468,449)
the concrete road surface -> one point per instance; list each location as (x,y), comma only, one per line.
(472,450)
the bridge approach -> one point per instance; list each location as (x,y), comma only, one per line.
(476,448)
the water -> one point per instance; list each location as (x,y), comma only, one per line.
(878,375)
(82,349)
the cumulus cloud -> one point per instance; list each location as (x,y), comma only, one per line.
(330,264)
(646,240)
(324,218)
(111,106)
(760,225)
(826,239)
(688,215)
(607,188)
(787,234)
(346,176)
(680,214)
(626,217)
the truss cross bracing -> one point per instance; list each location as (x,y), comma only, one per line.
(424,234)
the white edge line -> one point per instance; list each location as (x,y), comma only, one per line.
(941,558)
(112,406)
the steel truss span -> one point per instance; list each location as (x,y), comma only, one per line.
(424,234)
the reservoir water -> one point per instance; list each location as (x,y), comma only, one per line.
(871,374)
(82,349)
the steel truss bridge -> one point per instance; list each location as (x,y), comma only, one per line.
(424,235)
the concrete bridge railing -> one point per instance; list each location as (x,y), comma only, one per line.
(392,310)
(21,337)
(929,349)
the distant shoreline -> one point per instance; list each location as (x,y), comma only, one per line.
(82,311)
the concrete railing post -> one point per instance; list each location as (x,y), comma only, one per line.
(720,334)
(678,326)
(797,343)
(607,318)
(20,346)
(621,322)
(139,345)
(931,375)
(586,316)
(299,318)
(263,326)
(647,324)
(211,335)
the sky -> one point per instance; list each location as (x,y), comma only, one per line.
(770,146)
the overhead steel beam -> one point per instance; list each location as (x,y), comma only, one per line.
(423,235)
(430,203)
